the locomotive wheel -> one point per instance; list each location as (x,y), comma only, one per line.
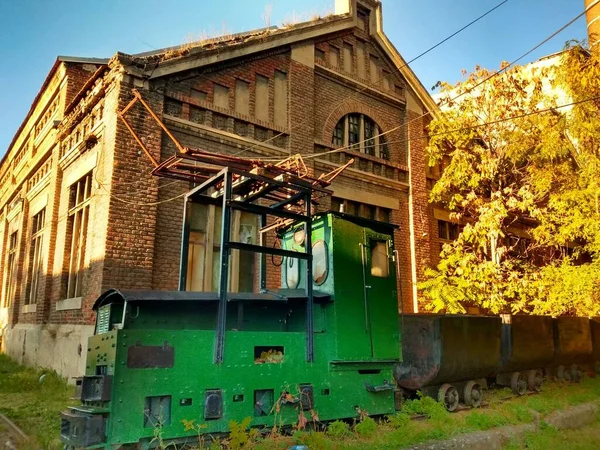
(518,383)
(473,394)
(535,379)
(448,396)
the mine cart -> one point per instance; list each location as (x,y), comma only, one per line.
(527,347)
(595,330)
(449,357)
(572,347)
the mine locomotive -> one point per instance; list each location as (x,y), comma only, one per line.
(328,344)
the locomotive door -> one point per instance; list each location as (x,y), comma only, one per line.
(381,304)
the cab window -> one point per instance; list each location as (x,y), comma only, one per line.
(380,264)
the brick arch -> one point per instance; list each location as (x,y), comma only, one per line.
(350,107)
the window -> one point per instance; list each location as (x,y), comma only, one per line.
(79,211)
(448,231)
(319,54)
(354,130)
(36,254)
(363,210)
(292,273)
(221,96)
(363,19)
(204,250)
(338,134)
(320,264)
(11,268)
(362,134)
(380,263)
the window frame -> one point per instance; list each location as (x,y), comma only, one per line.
(368,132)
(36,255)
(80,194)
(11,266)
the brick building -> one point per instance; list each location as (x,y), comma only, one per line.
(80,211)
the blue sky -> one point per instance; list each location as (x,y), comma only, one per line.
(34,32)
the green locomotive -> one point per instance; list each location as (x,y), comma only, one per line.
(189,362)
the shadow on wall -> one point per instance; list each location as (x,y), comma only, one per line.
(58,340)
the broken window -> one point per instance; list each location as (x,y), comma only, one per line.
(361,133)
(36,255)
(11,268)
(204,250)
(79,211)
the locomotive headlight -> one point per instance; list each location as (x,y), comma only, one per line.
(299,236)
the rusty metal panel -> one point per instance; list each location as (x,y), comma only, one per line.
(445,349)
(527,342)
(150,356)
(572,341)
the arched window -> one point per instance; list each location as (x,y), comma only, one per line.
(361,133)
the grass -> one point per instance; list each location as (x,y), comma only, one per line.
(33,405)
(549,437)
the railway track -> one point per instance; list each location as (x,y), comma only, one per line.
(11,436)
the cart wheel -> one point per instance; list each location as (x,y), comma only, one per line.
(563,374)
(473,394)
(576,373)
(448,396)
(518,383)
(535,379)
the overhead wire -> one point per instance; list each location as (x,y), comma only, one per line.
(502,70)
(356,93)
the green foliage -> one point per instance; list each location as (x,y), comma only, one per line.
(313,440)
(399,420)
(32,404)
(524,186)
(366,427)
(239,435)
(338,429)
(426,406)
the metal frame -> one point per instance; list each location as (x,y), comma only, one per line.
(286,186)
(288,201)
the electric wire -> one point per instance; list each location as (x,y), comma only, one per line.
(356,93)
(502,70)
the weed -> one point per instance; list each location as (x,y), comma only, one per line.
(338,429)
(425,406)
(240,436)
(399,420)
(314,440)
(366,427)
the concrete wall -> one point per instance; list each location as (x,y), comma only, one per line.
(58,347)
